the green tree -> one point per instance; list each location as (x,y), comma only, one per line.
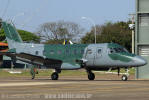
(28,36)
(25,35)
(118,32)
(55,41)
(2,35)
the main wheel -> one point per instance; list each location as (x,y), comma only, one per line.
(54,76)
(124,78)
(91,76)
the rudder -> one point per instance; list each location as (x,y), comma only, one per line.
(11,32)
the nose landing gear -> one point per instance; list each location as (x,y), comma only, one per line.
(125,76)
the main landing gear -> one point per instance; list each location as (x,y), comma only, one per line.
(54,75)
(91,75)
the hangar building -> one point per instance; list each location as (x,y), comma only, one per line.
(142,36)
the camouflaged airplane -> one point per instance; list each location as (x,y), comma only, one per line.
(100,57)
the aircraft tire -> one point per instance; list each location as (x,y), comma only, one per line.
(54,76)
(124,78)
(91,76)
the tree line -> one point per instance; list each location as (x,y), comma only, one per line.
(57,32)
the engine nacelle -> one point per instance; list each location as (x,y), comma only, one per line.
(82,62)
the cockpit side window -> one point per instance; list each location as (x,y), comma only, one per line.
(112,50)
(121,50)
(117,50)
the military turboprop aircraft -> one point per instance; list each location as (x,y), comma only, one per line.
(101,57)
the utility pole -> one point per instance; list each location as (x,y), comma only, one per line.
(93,22)
(132,27)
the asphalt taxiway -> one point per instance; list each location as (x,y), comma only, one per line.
(74,88)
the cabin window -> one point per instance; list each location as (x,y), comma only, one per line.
(75,51)
(82,51)
(51,52)
(67,51)
(99,51)
(36,52)
(59,52)
(89,51)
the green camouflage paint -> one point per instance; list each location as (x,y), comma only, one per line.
(123,56)
(12,50)
(66,53)
(14,34)
(120,57)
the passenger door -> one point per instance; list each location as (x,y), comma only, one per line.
(98,53)
(90,56)
(98,58)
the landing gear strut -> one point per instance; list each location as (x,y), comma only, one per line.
(125,76)
(55,75)
(91,75)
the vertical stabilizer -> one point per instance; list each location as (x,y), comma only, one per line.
(11,34)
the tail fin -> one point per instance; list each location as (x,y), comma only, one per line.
(11,32)
(12,35)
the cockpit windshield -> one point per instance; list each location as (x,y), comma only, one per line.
(117,50)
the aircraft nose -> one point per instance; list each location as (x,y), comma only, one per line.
(140,61)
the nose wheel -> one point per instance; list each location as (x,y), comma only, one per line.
(124,77)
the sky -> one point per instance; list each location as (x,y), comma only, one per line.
(30,14)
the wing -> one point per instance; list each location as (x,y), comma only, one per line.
(35,60)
